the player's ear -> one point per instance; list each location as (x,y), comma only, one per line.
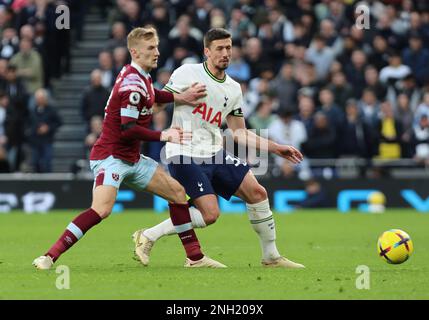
(206,51)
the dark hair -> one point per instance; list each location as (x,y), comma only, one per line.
(215,34)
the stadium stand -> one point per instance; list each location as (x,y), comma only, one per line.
(362,96)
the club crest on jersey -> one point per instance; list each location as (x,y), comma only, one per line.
(226,101)
(115,176)
(207,114)
(134,98)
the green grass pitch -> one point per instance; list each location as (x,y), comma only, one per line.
(330,244)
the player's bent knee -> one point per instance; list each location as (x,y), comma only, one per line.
(211,215)
(258,194)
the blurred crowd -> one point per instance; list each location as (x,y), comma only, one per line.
(308,72)
(33,52)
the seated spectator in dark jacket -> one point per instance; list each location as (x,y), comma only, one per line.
(341,90)
(328,106)
(44,122)
(119,36)
(321,139)
(316,196)
(373,83)
(417,58)
(95,98)
(388,131)
(356,136)
(14,87)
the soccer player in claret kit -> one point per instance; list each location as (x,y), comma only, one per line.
(116,158)
(195,165)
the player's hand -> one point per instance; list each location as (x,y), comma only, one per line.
(290,153)
(191,95)
(176,135)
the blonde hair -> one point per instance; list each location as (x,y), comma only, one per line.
(138,34)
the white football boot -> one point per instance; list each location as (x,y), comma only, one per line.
(204,262)
(281,262)
(43,262)
(143,246)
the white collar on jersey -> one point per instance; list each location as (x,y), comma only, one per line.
(140,70)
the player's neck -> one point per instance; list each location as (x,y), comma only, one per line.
(217,73)
(143,70)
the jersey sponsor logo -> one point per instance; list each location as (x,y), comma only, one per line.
(134,98)
(146,112)
(207,114)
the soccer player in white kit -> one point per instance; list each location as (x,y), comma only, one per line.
(203,167)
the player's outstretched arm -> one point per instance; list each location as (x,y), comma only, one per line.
(191,96)
(132,130)
(249,138)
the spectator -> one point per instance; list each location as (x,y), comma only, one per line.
(406,117)
(238,69)
(395,70)
(96,126)
(9,43)
(43,124)
(4,105)
(263,116)
(287,130)
(355,72)
(321,56)
(423,108)
(328,106)
(373,83)
(421,140)
(369,107)
(321,139)
(120,59)
(417,58)
(94,98)
(105,62)
(15,88)
(285,87)
(4,164)
(356,136)
(184,38)
(253,54)
(240,26)
(159,122)
(119,36)
(316,196)
(341,90)
(379,56)
(29,66)
(306,112)
(388,132)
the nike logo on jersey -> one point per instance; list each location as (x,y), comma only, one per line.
(207,114)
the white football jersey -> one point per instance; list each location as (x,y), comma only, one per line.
(224,97)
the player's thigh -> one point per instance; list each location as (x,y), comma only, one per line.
(109,174)
(193,177)
(250,190)
(166,187)
(229,176)
(103,199)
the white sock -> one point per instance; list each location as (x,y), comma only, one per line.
(262,221)
(166,227)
